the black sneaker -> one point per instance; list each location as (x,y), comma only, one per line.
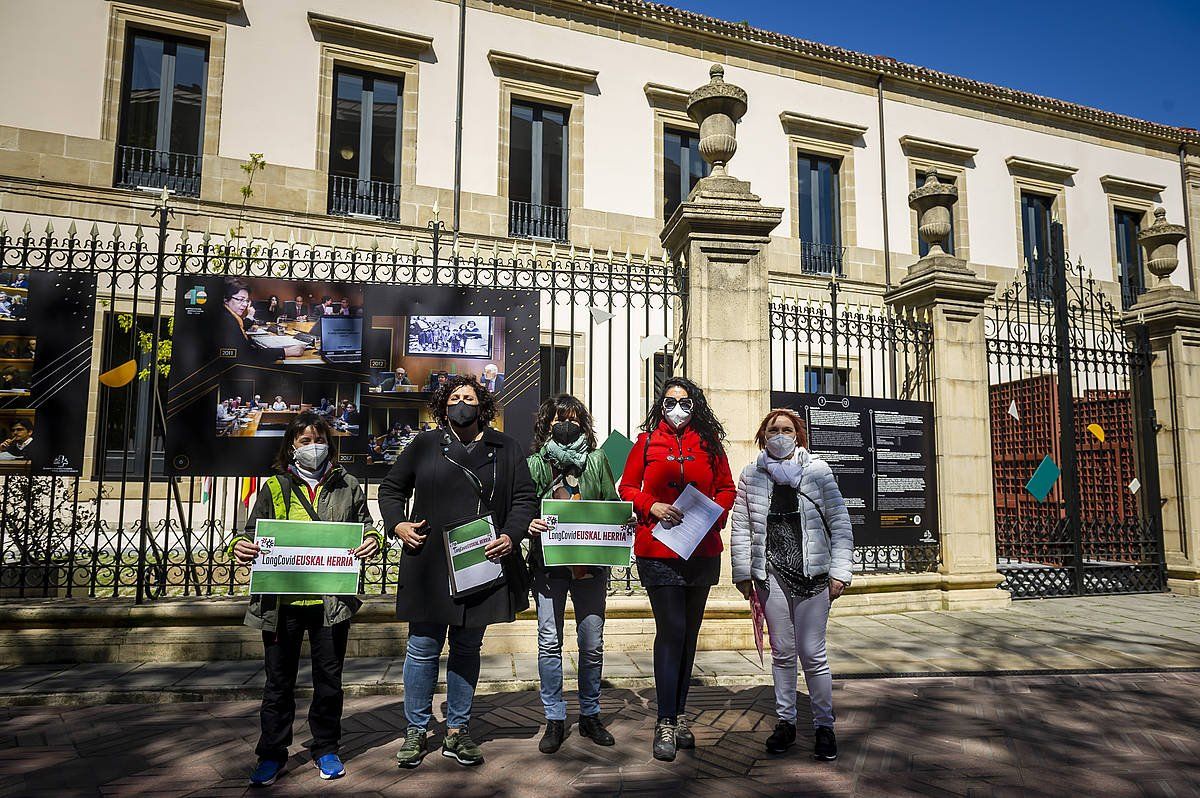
(664,741)
(782,738)
(553,738)
(826,745)
(684,739)
(461,748)
(415,747)
(591,727)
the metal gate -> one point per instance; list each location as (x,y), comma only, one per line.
(821,345)
(1070,390)
(126,529)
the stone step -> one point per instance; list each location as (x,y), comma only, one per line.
(212,629)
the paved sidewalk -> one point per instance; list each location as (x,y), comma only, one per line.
(1145,632)
(1111,735)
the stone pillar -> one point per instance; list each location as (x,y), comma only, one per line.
(1172,318)
(941,288)
(720,234)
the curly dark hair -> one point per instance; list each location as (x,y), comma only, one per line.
(567,405)
(301,422)
(712,434)
(487,402)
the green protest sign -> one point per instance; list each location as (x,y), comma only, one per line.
(587,532)
(306,558)
(470,569)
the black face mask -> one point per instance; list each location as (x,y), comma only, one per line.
(565,432)
(462,414)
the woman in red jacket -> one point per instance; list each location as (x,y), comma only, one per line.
(682,444)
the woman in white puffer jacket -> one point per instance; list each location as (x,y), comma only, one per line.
(791,543)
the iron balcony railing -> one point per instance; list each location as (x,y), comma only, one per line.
(350,196)
(1130,293)
(138,167)
(821,258)
(526,220)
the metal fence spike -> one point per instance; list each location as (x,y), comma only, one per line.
(28,228)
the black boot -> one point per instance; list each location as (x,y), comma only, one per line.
(553,738)
(591,727)
(664,740)
(782,738)
(826,745)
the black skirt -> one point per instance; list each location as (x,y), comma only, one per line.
(696,572)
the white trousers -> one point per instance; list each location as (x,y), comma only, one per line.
(797,630)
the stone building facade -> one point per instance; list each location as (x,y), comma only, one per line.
(575,129)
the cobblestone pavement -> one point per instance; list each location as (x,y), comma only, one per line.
(1051,735)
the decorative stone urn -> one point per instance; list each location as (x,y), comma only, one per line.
(934,204)
(717,107)
(1161,243)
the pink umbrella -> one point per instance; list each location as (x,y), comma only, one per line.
(757,618)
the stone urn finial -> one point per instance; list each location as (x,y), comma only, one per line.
(1161,243)
(716,107)
(934,204)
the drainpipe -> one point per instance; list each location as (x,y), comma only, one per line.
(887,247)
(1187,217)
(887,244)
(458,114)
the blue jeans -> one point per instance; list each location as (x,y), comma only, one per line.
(425,641)
(588,597)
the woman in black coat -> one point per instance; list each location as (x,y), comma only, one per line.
(436,465)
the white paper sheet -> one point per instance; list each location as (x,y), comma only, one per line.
(699,515)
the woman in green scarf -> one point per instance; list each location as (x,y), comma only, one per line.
(566,464)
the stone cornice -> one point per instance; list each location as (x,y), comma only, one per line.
(673,19)
(667,98)
(1042,170)
(1128,187)
(1164,311)
(217,8)
(520,66)
(937,150)
(943,281)
(367,36)
(796,124)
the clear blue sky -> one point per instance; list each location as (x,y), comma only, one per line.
(1098,53)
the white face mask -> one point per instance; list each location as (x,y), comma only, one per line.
(781,446)
(677,416)
(312,456)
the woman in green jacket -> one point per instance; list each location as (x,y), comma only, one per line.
(307,487)
(566,464)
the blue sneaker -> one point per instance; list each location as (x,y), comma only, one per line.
(265,773)
(331,766)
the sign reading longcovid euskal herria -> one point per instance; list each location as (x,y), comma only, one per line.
(882,454)
(587,532)
(306,558)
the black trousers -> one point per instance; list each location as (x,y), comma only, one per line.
(328,647)
(678,613)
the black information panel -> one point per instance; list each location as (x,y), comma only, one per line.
(46,323)
(881,451)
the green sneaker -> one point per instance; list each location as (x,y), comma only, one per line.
(415,747)
(461,747)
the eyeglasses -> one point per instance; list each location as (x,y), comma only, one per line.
(670,402)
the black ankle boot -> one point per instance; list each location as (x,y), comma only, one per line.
(591,727)
(552,740)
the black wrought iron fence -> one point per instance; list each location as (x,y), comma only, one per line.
(823,346)
(116,531)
